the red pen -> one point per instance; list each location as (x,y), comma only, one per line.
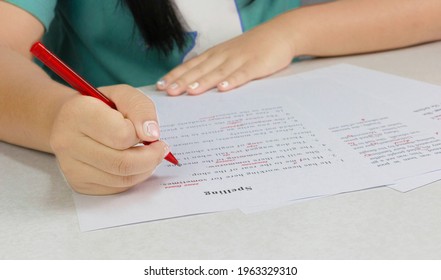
(77,82)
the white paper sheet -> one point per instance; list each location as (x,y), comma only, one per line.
(274,141)
(418,102)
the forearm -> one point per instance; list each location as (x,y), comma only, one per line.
(358,26)
(29,101)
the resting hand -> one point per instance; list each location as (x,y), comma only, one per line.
(252,55)
(94,144)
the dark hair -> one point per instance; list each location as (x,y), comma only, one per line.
(160,23)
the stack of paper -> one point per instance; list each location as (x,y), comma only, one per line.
(277,141)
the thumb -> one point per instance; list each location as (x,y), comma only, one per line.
(136,107)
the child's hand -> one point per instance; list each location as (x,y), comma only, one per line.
(255,54)
(94,144)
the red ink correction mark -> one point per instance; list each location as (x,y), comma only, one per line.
(191,184)
(253,145)
(402,142)
(182,185)
(254,163)
(227,158)
(233,124)
(173,186)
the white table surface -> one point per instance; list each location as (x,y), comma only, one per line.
(38,218)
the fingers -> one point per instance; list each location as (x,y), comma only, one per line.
(87,116)
(137,108)
(98,170)
(224,77)
(238,78)
(94,144)
(222,70)
(186,77)
(132,161)
(225,66)
(202,77)
(257,53)
(86,179)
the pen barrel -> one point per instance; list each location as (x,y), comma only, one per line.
(66,73)
(82,86)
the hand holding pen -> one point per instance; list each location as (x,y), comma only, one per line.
(95,146)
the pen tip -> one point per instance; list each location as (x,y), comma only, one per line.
(171,158)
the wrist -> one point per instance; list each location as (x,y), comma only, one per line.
(291,29)
(55,97)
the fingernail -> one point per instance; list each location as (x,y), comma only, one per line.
(173,86)
(194,85)
(151,129)
(160,83)
(224,84)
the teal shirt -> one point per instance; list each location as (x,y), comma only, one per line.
(98,39)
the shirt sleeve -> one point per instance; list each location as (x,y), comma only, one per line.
(43,10)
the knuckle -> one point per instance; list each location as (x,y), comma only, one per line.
(122,165)
(140,103)
(238,77)
(115,92)
(172,75)
(143,105)
(242,74)
(184,67)
(191,63)
(199,70)
(177,72)
(128,181)
(182,81)
(222,72)
(131,94)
